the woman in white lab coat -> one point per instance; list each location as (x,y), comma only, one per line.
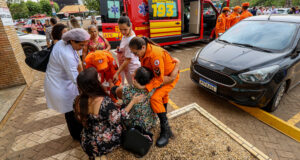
(62,71)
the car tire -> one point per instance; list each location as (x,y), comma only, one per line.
(28,50)
(273,105)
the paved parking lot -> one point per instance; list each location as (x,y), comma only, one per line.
(35,132)
(270,141)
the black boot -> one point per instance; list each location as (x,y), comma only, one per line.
(165,130)
(166,106)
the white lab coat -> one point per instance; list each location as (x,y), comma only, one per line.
(60,81)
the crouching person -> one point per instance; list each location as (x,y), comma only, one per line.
(142,114)
(106,65)
(100,118)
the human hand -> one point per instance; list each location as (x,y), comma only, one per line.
(176,60)
(115,78)
(138,98)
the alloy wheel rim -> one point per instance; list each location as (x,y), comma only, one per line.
(280,94)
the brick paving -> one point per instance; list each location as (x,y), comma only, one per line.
(35,132)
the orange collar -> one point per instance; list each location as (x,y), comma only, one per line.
(148,51)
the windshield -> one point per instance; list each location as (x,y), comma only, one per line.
(20,33)
(274,36)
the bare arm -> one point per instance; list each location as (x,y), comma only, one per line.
(84,54)
(121,68)
(136,99)
(108,46)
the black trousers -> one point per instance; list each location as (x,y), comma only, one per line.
(74,126)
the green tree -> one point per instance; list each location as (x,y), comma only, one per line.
(92,5)
(19,10)
(46,7)
(56,6)
(33,7)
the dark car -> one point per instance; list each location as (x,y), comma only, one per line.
(254,63)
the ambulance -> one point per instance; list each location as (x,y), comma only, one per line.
(166,22)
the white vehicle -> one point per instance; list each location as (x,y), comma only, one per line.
(99,22)
(32,42)
(283,11)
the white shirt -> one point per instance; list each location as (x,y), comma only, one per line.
(60,81)
(125,49)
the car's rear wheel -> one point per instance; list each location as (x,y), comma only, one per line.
(28,50)
(273,105)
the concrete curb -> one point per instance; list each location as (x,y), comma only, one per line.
(252,149)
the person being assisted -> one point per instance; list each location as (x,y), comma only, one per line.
(142,114)
(161,64)
(106,65)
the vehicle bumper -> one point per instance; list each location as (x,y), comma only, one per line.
(251,96)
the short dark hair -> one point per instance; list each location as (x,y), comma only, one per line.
(33,21)
(143,75)
(53,21)
(57,31)
(124,20)
(245,7)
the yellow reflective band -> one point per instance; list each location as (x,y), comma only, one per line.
(165,34)
(141,28)
(112,35)
(160,30)
(165,24)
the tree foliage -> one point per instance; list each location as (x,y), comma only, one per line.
(33,7)
(92,5)
(19,10)
(30,8)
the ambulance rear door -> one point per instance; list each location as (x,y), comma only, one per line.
(110,13)
(138,12)
(165,20)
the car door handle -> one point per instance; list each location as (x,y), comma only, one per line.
(177,23)
(108,28)
(145,23)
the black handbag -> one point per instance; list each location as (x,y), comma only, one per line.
(137,141)
(39,60)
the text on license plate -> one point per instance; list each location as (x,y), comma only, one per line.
(208,85)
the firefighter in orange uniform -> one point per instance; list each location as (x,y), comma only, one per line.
(234,18)
(245,13)
(221,22)
(106,65)
(162,64)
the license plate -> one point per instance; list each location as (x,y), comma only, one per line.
(208,85)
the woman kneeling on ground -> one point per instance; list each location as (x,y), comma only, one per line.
(142,114)
(100,118)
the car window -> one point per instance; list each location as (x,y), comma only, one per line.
(208,10)
(275,36)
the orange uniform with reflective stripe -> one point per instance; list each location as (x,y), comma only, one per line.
(161,63)
(233,19)
(246,14)
(221,24)
(107,74)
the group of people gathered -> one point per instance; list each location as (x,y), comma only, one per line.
(227,19)
(101,97)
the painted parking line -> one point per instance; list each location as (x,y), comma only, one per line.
(173,104)
(187,69)
(294,120)
(170,101)
(286,127)
(273,121)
